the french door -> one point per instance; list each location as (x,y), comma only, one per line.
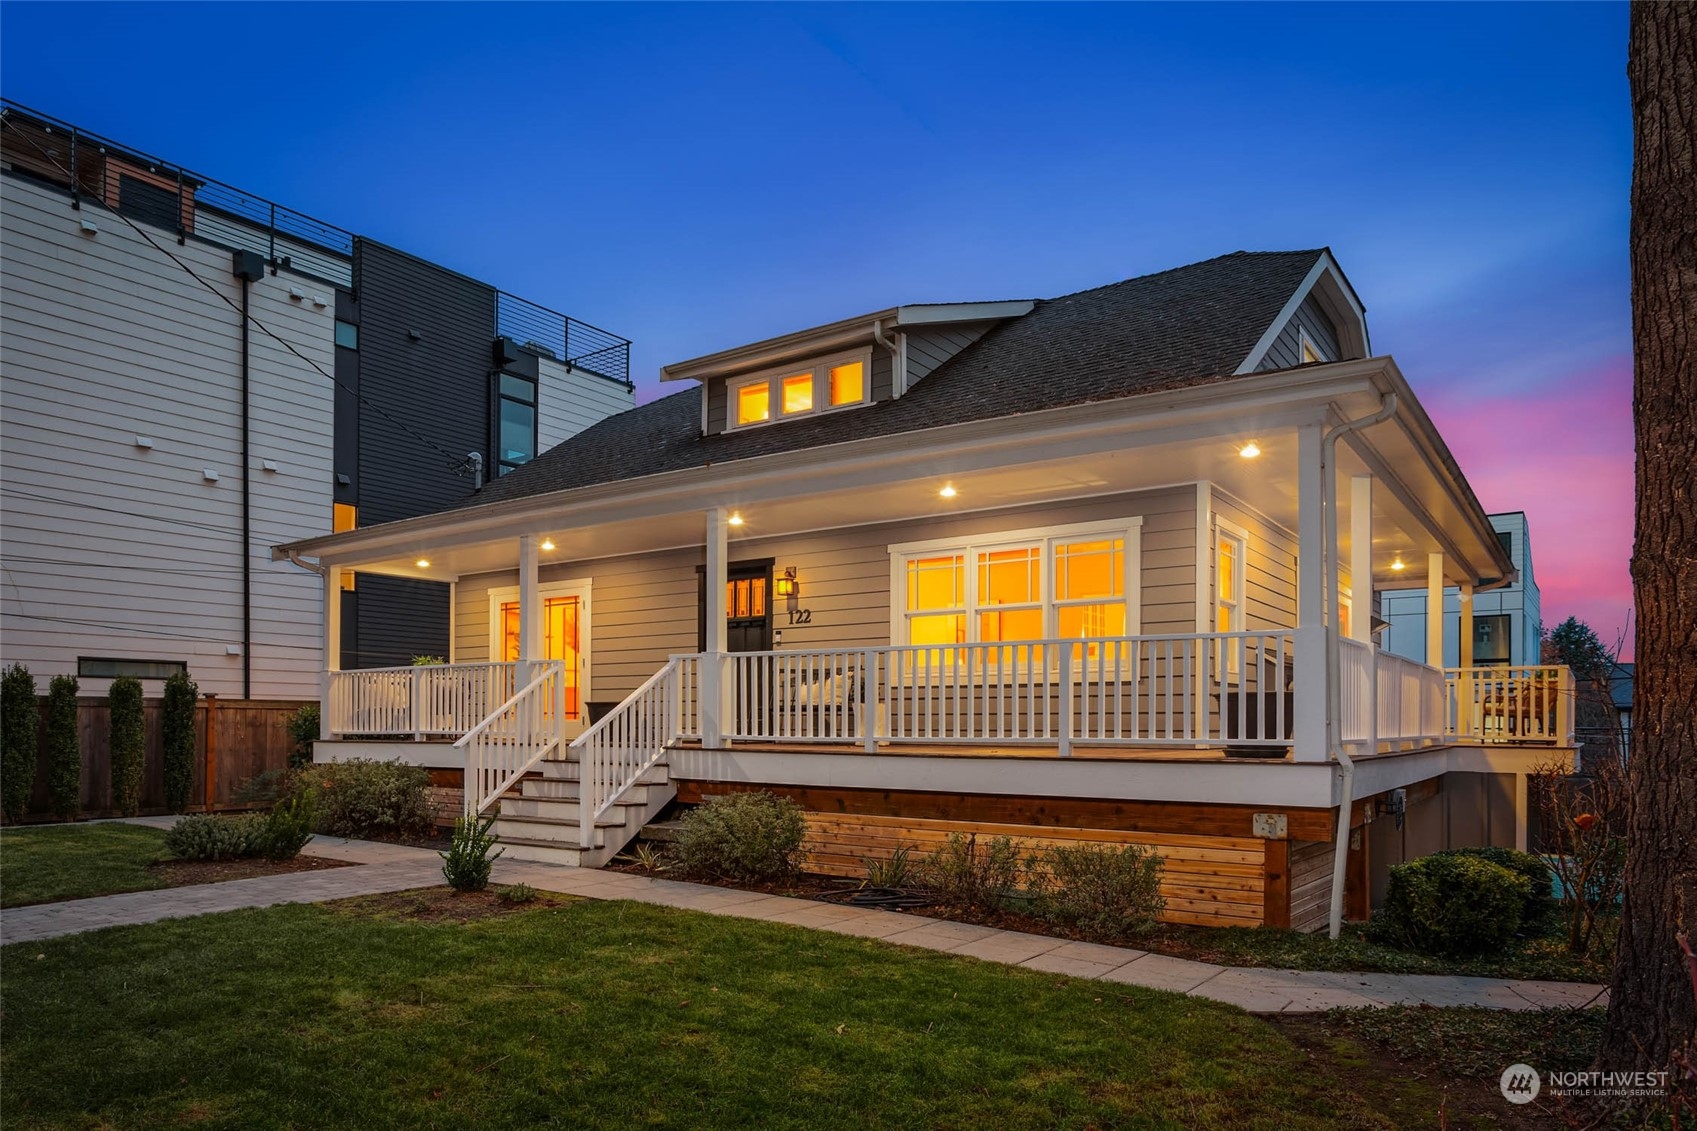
(565,637)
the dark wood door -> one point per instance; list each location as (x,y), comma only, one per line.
(748,607)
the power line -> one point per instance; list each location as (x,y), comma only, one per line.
(62,502)
(457,458)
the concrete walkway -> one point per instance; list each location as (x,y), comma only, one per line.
(389,867)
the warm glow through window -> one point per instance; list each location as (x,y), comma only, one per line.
(848,383)
(798,394)
(833,383)
(754,403)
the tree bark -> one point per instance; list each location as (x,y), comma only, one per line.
(1651,1014)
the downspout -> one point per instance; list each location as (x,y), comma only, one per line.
(247,509)
(898,357)
(1334,696)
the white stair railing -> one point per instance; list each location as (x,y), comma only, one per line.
(615,753)
(518,734)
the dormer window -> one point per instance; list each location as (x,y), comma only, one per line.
(834,383)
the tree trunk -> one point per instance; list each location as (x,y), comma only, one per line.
(1651,1012)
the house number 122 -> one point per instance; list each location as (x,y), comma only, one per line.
(801,616)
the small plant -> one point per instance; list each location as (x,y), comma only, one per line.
(518,893)
(177,728)
(289,826)
(20,720)
(64,748)
(427,661)
(1451,905)
(893,871)
(207,837)
(651,860)
(303,732)
(1107,893)
(129,744)
(362,797)
(1583,821)
(467,863)
(742,836)
(965,874)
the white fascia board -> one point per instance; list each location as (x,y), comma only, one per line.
(939,313)
(1276,327)
(1194,412)
(776,351)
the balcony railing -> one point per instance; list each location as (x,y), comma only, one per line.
(418,701)
(1515,705)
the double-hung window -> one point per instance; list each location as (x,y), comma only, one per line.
(835,383)
(1066,582)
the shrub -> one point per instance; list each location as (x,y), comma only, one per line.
(289,826)
(891,872)
(964,874)
(741,836)
(303,732)
(129,744)
(64,747)
(518,893)
(20,719)
(1105,892)
(467,863)
(1452,905)
(1540,909)
(177,727)
(362,797)
(207,837)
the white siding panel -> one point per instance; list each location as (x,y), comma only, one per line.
(569,402)
(113,550)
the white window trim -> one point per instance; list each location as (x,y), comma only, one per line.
(970,545)
(821,369)
(1306,345)
(1238,534)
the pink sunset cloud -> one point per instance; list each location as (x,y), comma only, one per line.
(1564,456)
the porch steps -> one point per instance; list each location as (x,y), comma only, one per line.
(661,832)
(539,821)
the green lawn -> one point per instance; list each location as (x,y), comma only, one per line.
(74,861)
(609,1014)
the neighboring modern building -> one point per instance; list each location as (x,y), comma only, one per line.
(1508,627)
(1082,568)
(156,442)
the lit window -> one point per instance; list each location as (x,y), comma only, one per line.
(1228,588)
(834,383)
(848,383)
(798,394)
(1309,353)
(936,600)
(344,517)
(1090,589)
(754,403)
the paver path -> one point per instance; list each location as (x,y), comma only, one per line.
(390,867)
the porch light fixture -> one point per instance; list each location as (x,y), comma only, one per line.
(1250,450)
(422,563)
(735,519)
(948,491)
(547,544)
(786,585)
(1398,565)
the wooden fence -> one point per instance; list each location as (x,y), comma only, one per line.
(234,740)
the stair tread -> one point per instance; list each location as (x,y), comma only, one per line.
(602,822)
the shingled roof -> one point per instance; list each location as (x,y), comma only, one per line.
(1180,327)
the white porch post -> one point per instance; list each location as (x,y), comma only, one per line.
(332,645)
(1361,558)
(1310,667)
(715,688)
(530,611)
(1435,610)
(1464,650)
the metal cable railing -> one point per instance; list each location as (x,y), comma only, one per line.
(563,338)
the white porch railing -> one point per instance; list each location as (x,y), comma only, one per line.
(1411,700)
(515,736)
(1190,690)
(1511,704)
(417,700)
(613,754)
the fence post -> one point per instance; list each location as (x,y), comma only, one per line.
(211,774)
(1065,738)
(869,700)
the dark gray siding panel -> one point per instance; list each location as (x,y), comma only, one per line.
(716,407)
(927,349)
(1286,351)
(437,386)
(883,371)
(399,619)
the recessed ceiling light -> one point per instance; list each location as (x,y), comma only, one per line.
(1398,564)
(422,563)
(948,491)
(1250,450)
(547,543)
(735,520)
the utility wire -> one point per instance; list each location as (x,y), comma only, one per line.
(61,502)
(458,459)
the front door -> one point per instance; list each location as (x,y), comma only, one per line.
(565,637)
(748,607)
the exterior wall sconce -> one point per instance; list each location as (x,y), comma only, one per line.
(785,585)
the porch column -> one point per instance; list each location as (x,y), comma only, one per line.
(1435,610)
(1464,650)
(332,645)
(715,688)
(1310,667)
(530,610)
(1361,557)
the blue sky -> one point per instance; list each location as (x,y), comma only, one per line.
(694,177)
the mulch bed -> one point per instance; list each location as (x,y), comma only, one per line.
(185,873)
(444,905)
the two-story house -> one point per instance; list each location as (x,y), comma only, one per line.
(1099,567)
